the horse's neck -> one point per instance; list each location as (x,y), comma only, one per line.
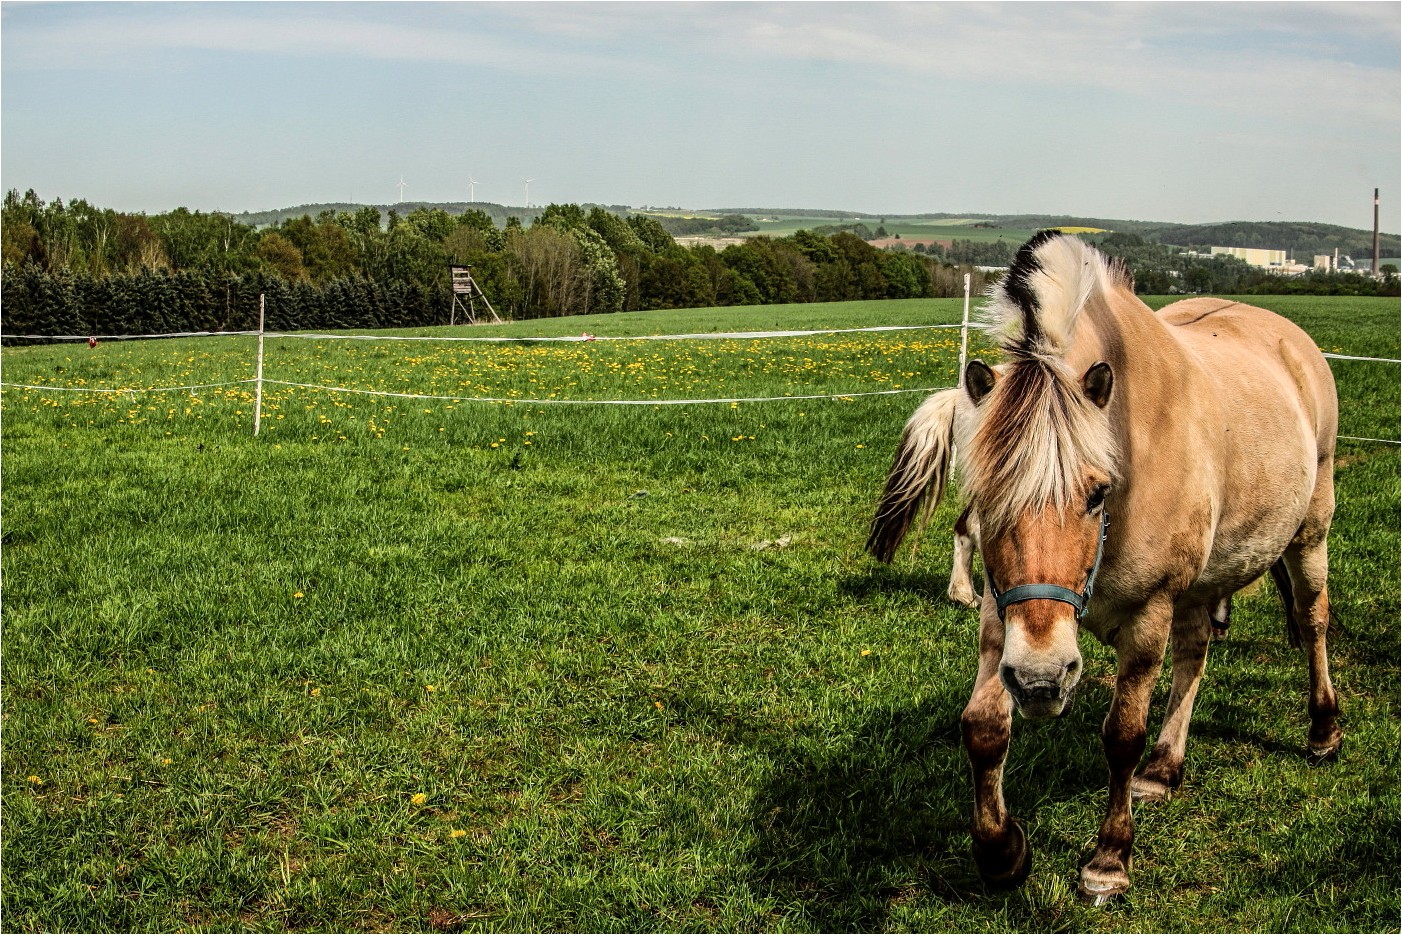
(1124,332)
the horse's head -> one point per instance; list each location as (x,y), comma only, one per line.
(1040,470)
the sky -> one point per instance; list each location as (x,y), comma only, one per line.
(1186,112)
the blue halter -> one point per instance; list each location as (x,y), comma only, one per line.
(1055,592)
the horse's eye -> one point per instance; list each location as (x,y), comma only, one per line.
(1097,498)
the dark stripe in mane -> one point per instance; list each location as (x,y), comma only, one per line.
(1018,288)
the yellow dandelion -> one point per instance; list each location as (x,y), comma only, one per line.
(457,833)
(866,652)
(430,688)
(35,780)
(418,798)
(299,594)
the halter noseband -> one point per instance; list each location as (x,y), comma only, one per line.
(1055,592)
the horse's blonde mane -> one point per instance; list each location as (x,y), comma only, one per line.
(1036,434)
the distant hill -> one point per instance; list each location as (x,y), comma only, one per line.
(1303,239)
(499,213)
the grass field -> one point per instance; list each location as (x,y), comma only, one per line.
(427,665)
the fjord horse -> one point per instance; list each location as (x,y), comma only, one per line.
(1128,471)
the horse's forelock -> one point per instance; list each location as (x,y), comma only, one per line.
(1036,438)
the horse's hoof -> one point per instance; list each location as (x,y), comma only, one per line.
(1145,789)
(1326,753)
(1099,888)
(1006,867)
(1098,898)
(964,598)
(1218,633)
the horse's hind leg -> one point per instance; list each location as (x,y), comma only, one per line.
(961,579)
(1307,607)
(1192,631)
(1221,615)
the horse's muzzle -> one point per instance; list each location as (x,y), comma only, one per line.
(1040,692)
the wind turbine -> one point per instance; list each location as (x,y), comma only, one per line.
(401,188)
(528,191)
(471,191)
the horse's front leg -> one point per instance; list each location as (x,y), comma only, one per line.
(1140,656)
(999,843)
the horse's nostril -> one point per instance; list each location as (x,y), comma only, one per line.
(1073,665)
(1010,681)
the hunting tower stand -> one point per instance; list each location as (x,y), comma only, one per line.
(465,286)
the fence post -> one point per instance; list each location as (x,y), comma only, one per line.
(258,383)
(964,331)
(963,355)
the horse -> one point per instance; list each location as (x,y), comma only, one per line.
(1206,431)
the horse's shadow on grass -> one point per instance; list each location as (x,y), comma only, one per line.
(875,811)
(848,828)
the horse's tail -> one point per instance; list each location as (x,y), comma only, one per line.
(918,473)
(1281,577)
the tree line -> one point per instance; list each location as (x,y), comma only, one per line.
(75,268)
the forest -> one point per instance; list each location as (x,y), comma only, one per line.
(75,268)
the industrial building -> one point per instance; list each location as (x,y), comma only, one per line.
(1276,261)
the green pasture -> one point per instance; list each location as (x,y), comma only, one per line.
(432,665)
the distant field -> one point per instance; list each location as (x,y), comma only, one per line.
(422,665)
(935,229)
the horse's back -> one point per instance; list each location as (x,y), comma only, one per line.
(1234,328)
(1240,344)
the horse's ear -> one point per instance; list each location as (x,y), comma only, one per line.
(978,380)
(1097,383)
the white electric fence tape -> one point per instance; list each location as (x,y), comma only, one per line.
(584,338)
(700,336)
(1376,360)
(124,390)
(601,402)
(124,337)
(1359,438)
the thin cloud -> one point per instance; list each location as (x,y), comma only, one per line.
(102,40)
(1138,49)
(1337,59)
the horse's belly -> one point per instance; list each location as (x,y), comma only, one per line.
(1247,543)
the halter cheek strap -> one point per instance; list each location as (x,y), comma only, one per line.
(1055,592)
